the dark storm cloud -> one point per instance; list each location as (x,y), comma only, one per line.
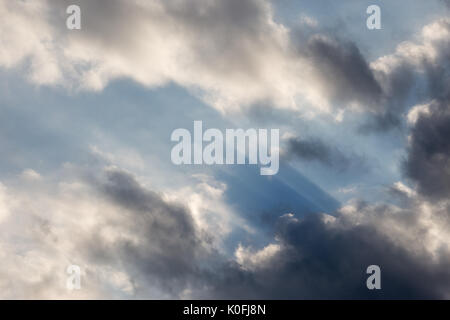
(428,160)
(318,261)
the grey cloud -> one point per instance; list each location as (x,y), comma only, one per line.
(169,245)
(317,259)
(232,54)
(219,39)
(315,149)
(428,160)
(155,245)
(345,72)
(417,69)
(348,78)
(322,262)
(380,123)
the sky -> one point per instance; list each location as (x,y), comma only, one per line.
(86,176)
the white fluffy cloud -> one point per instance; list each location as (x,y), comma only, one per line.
(231,54)
(431,46)
(109,225)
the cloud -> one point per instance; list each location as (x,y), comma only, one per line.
(428,159)
(344,72)
(128,240)
(30,174)
(324,257)
(27,38)
(211,48)
(423,62)
(415,112)
(231,54)
(446,2)
(250,260)
(314,149)
(418,69)
(163,249)
(133,242)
